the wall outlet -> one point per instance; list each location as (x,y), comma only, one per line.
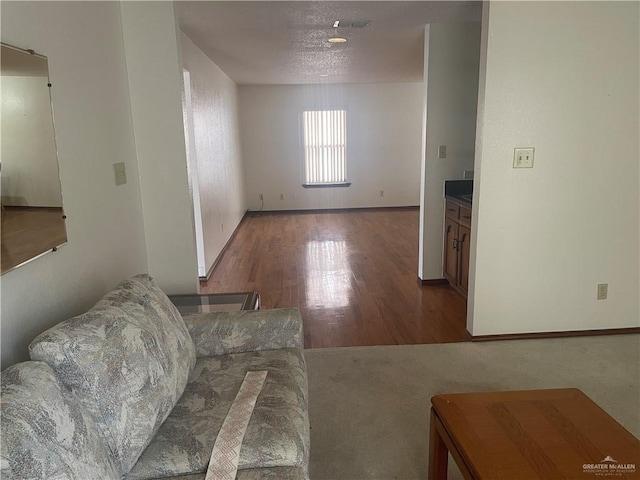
(442,151)
(603,289)
(120,173)
(382,193)
(282,196)
(523,157)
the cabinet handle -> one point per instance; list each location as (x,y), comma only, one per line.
(455,244)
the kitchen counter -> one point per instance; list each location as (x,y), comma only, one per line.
(458,196)
(460,191)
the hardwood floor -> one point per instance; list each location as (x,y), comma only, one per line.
(29,231)
(352,274)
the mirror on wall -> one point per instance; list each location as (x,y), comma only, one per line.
(32,214)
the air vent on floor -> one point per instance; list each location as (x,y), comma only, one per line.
(351,23)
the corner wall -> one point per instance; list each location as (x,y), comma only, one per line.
(452,59)
(383,144)
(152,47)
(562,77)
(90,96)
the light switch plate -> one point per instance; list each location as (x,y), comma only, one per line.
(120,173)
(523,157)
(442,151)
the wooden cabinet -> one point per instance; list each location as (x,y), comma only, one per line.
(457,241)
(464,240)
(450,266)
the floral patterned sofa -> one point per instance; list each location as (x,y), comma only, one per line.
(131,389)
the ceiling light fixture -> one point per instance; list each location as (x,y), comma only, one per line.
(324,74)
(336,38)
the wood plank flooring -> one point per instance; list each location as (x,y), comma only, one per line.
(352,274)
(27,232)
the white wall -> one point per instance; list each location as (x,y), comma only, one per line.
(217,145)
(152,50)
(383,144)
(83,41)
(452,59)
(29,159)
(561,77)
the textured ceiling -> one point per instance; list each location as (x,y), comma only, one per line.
(271,42)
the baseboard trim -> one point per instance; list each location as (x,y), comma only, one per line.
(332,210)
(571,333)
(206,278)
(433,282)
(223,251)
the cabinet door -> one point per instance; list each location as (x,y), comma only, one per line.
(464,241)
(465,217)
(451,210)
(450,253)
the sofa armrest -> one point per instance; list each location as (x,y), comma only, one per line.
(221,333)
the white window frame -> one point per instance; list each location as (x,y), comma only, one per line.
(324,146)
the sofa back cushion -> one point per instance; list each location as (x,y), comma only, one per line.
(45,432)
(127,360)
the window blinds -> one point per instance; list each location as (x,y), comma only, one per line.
(325,137)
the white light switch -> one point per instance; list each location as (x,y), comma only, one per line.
(120,172)
(523,157)
(442,151)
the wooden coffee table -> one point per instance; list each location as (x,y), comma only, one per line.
(533,434)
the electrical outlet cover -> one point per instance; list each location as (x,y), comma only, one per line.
(603,290)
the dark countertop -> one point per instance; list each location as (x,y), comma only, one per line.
(460,191)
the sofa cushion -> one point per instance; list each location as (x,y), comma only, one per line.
(45,432)
(278,432)
(127,360)
(222,333)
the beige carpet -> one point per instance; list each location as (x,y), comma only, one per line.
(369,406)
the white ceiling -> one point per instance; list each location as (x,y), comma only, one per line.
(273,42)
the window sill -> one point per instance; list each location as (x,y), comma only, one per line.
(326,185)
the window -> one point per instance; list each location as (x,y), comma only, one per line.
(325,152)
